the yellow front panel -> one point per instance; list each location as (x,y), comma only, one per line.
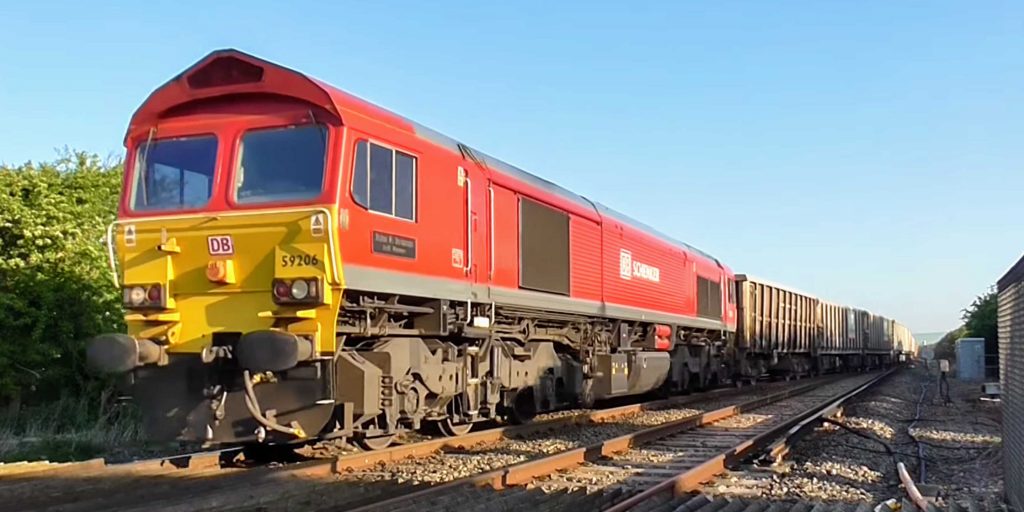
(176,251)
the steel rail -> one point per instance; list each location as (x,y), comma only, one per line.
(778,450)
(200,460)
(209,459)
(207,464)
(525,472)
(363,460)
(693,478)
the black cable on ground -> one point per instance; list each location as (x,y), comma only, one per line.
(862,448)
(888,447)
(944,390)
(917,417)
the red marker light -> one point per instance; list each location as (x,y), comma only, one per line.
(282,290)
(154,294)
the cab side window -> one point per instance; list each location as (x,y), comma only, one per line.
(384,180)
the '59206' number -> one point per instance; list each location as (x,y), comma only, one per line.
(299,260)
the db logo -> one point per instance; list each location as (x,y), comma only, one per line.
(220,245)
(625,264)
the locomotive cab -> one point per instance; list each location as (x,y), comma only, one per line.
(226,256)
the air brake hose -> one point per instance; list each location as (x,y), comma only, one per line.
(254,409)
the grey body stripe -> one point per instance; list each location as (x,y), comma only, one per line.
(370,279)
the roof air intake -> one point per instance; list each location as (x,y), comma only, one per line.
(224,71)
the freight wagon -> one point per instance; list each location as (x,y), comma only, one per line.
(297,262)
(783,331)
(777,329)
(904,344)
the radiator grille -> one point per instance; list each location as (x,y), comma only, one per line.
(709,298)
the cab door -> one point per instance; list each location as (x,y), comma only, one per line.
(477,222)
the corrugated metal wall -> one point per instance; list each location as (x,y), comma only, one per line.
(1011,377)
(879,342)
(833,325)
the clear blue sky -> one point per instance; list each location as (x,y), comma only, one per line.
(871,152)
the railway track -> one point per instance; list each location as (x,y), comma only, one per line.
(643,471)
(408,474)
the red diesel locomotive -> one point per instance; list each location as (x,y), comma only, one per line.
(297,262)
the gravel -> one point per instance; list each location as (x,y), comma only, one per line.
(961,443)
(640,467)
(954,439)
(453,464)
(781,486)
(439,468)
(743,420)
(871,426)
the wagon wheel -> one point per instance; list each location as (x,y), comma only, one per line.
(371,443)
(377,436)
(452,429)
(451,426)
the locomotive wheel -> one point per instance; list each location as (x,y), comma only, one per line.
(451,429)
(375,442)
(524,407)
(685,381)
(586,398)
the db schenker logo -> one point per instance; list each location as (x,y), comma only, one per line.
(628,269)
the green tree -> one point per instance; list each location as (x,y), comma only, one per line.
(945,348)
(980,318)
(55,289)
(980,321)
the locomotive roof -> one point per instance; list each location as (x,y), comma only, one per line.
(496,164)
(244,73)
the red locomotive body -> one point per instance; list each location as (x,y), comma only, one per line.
(450,287)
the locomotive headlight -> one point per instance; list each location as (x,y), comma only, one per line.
(136,296)
(297,291)
(300,289)
(144,296)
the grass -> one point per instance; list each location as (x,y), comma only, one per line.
(70,429)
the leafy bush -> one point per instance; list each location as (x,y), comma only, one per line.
(979,322)
(945,348)
(55,289)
